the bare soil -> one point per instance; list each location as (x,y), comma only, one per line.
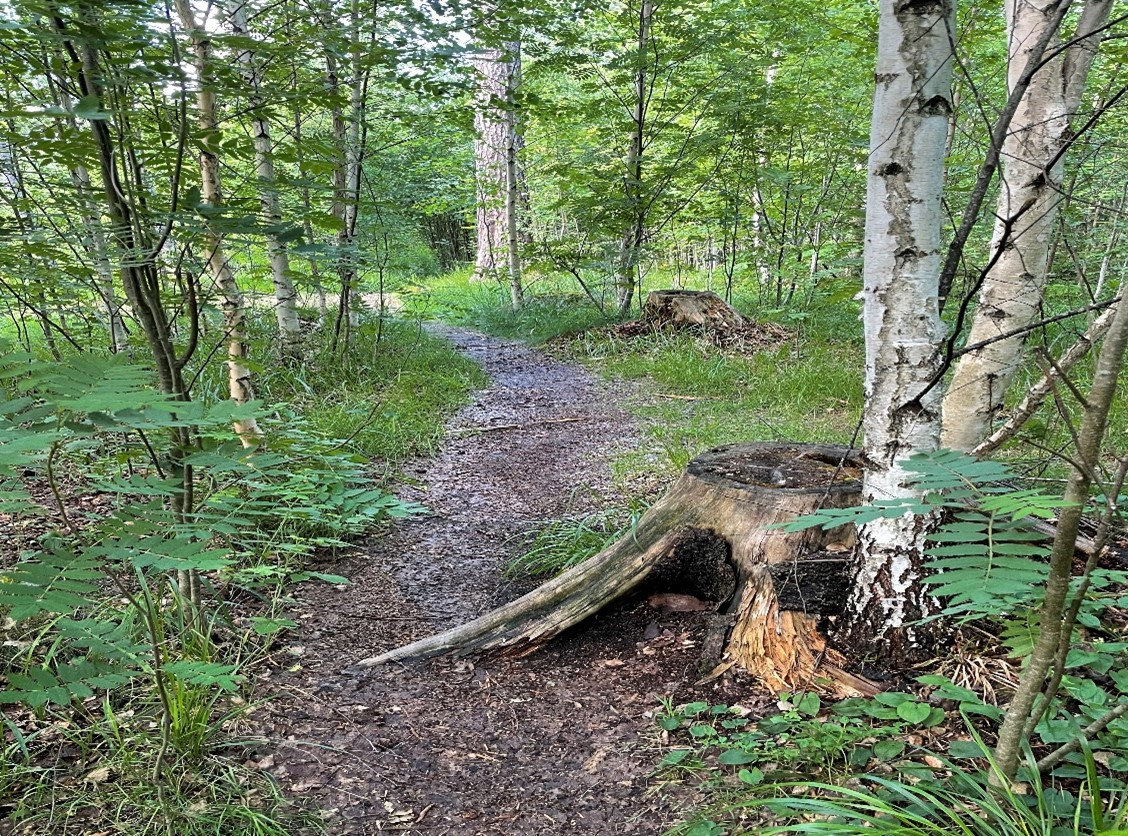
(560,741)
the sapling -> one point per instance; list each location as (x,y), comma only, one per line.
(1013,732)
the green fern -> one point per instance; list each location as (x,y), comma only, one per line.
(984,559)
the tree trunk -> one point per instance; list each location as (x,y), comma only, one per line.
(285,297)
(239,383)
(95,237)
(1016,726)
(307,218)
(512,177)
(901,316)
(348,138)
(630,250)
(495,142)
(774,587)
(1033,162)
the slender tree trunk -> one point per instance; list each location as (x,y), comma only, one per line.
(239,382)
(285,297)
(348,138)
(630,250)
(1051,624)
(13,179)
(307,222)
(901,317)
(140,272)
(512,176)
(1033,162)
(495,154)
(95,238)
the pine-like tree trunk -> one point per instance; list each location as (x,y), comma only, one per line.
(496,167)
(901,317)
(285,297)
(239,383)
(1033,160)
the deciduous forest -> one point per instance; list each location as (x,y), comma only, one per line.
(654,416)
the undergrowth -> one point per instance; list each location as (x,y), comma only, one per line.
(130,632)
(917,763)
(560,544)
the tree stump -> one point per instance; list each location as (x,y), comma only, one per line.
(780,586)
(691,308)
(700,312)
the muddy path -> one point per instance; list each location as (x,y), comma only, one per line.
(561,741)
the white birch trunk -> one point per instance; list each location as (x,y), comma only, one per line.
(1032,166)
(285,297)
(901,315)
(239,382)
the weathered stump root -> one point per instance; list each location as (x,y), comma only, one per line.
(785,582)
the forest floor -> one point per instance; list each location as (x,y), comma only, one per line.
(560,741)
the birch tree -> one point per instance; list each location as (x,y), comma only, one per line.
(901,316)
(285,296)
(1033,161)
(239,382)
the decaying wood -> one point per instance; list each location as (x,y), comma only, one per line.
(682,308)
(735,495)
(703,313)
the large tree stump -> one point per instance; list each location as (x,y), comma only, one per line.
(785,582)
(684,308)
(700,312)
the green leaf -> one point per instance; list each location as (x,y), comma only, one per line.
(209,674)
(90,108)
(965,749)
(736,757)
(809,704)
(913,712)
(888,749)
(675,756)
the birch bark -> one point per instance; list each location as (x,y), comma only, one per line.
(239,382)
(1032,166)
(901,317)
(285,297)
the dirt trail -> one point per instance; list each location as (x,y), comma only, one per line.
(557,742)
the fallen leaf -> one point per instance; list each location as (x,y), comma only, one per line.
(98,776)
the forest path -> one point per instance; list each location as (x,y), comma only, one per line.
(556,742)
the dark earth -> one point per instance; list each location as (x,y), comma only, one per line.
(559,741)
